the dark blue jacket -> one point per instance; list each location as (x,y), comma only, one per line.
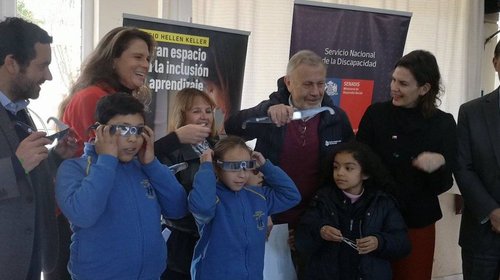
(381,219)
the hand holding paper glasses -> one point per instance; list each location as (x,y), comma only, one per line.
(237,165)
(297,115)
(62,128)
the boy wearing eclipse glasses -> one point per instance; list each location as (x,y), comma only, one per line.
(230,214)
(114,195)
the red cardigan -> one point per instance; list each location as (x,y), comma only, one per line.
(79,113)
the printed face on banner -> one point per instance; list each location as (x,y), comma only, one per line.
(200,113)
(133,64)
(306,85)
(405,91)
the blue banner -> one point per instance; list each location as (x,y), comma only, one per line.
(360,47)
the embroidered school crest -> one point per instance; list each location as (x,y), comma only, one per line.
(150,193)
(259,215)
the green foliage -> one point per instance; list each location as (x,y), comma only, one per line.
(25,13)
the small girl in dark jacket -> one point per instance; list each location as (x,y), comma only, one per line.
(353,228)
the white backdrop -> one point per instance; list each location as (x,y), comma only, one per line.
(451,29)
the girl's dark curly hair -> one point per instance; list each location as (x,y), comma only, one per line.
(371,165)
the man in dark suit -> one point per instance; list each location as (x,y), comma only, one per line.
(28,234)
(478,177)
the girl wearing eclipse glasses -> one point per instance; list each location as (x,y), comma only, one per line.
(232,215)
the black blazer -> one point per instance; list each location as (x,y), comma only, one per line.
(398,135)
(478,173)
(24,203)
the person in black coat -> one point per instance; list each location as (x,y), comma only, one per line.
(352,229)
(417,142)
(478,178)
(192,132)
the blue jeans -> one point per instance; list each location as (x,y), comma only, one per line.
(481,265)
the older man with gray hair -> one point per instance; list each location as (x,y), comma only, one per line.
(296,128)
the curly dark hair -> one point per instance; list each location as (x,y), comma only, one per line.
(371,165)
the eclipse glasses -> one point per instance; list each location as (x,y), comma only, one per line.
(237,165)
(123,130)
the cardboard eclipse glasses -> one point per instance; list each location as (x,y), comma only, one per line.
(237,165)
(123,130)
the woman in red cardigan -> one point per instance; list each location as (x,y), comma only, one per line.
(120,62)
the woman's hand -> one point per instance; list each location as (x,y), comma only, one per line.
(192,133)
(429,162)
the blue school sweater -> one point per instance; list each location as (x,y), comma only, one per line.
(232,225)
(114,209)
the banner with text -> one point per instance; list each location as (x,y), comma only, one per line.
(208,58)
(359,46)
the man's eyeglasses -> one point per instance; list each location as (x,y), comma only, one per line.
(123,130)
(249,165)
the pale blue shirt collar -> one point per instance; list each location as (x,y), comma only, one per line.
(13,107)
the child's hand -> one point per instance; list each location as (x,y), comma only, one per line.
(66,147)
(270,225)
(291,239)
(207,156)
(105,142)
(367,244)
(259,158)
(147,153)
(330,233)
